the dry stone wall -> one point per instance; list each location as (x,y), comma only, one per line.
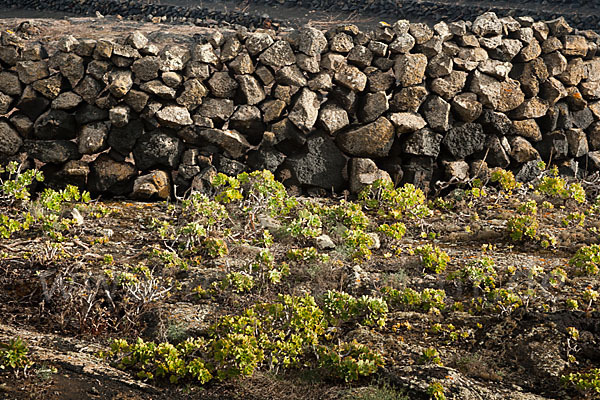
(322,110)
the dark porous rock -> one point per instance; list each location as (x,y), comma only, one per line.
(559,27)
(119,115)
(5,103)
(341,43)
(252,91)
(89,89)
(449,86)
(423,142)
(272,109)
(578,144)
(123,139)
(351,77)
(466,107)
(265,158)
(55,124)
(136,99)
(582,119)
(285,133)
(228,166)
(521,150)
(363,172)
(308,64)
(496,152)
(193,92)
(360,56)
(173,57)
(378,81)
(530,108)
(146,68)
(456,171)
(22,124)
(407,122)
(257,42)
(321,165)
(97,69)
(529,172)
(49,87)
(10,84)
(462,141)
(159,89)
(110,176)
(157,150)
(120,82)
(71,66)
(333,118)
(373,106)
(418,170)
(171,79)
(10,141)
(574,72)
(203,52)
(594,136)
(175,117)
(439,66)
(154,185)
(528,128)
(218,110)
(332,61)
(553,146)
(421,32)
(92,138)
(31,71)
(66,101)
(346,98)
(90,113)
(284,92)
(574,99)
(552,90)
(487,24)
(74,172)
(371,140)
(507,51)
(403,43)
(221,84)
(556,63)
(500,96)
(31,103)
(247,120)
(590,90)
(437,113)
(265,75)
(278,55)
(306,110)
(51,151)
(290,75)
(311,41)
(408,99)
(409,69)
(229,140)
(574,45)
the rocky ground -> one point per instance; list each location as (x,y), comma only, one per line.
(321,13)
(513,314)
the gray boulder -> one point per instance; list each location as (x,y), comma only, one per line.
(10,141)
(157,150)
(462,141)
(322,165)
(371,140)
(92,138)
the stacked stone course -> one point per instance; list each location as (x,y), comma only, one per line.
(322,110)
